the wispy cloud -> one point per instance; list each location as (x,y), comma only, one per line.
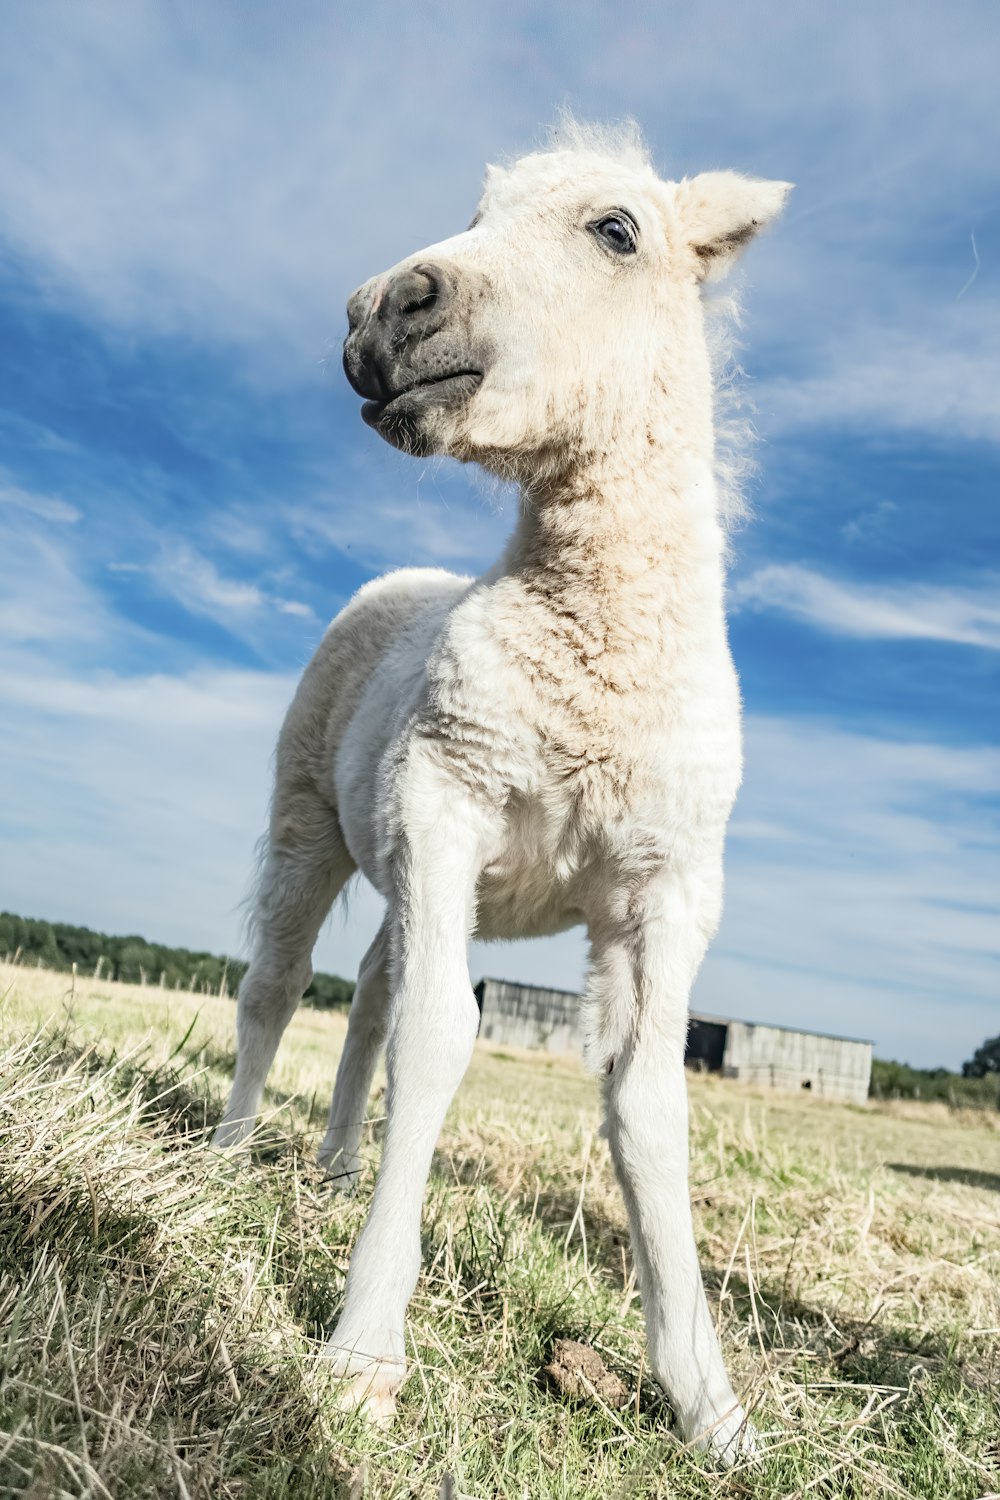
(46,507)
(43,597)
(139,798)
(295,607)
(405,514)
(871,523)
(193,581)
(896,382)
(969,616)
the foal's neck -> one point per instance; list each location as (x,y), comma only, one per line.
(625,533)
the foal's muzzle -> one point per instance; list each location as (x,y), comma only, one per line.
(407,352)
(386,318)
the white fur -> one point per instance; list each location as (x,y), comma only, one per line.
(556,742)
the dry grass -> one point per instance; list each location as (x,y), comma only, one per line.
(159,1313)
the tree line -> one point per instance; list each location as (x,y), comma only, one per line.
(58,945)
(965,1090)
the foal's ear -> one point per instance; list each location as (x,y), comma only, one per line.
(721,212)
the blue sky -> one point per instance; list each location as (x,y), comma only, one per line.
(188,194)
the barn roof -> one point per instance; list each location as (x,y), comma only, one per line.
(828,1036)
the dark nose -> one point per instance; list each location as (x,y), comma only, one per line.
(406,309)
(414,302)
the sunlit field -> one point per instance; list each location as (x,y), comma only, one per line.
(161,1309)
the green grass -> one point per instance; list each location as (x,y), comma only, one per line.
(160,1311)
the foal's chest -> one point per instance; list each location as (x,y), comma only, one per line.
(615,750)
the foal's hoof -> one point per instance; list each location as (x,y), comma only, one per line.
(231,1139)
(731,1440)
(340,1168)
(369,1384)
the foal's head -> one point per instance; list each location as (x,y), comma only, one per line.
(564,321)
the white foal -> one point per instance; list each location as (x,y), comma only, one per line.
(557,742)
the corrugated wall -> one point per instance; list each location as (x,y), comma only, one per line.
(523,1017)
(832,1067)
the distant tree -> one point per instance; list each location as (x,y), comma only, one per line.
(985,1059)
(58,945)
(36,940)
(328,991)
(78,945)
(894,1080)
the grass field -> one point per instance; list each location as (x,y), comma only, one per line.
(160,1310)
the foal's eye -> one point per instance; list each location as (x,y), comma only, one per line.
(617,232)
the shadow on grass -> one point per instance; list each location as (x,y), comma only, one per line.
(108,1308)
(229,1420)
(178,1101)
(967,1176)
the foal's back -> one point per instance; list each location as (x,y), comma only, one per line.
(382,627)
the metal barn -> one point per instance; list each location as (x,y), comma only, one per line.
(521,1016)
(832,1067)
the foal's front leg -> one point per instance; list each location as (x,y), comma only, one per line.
(433,1023)
(647,967)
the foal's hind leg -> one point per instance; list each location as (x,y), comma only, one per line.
(306,867)
(366,1029)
